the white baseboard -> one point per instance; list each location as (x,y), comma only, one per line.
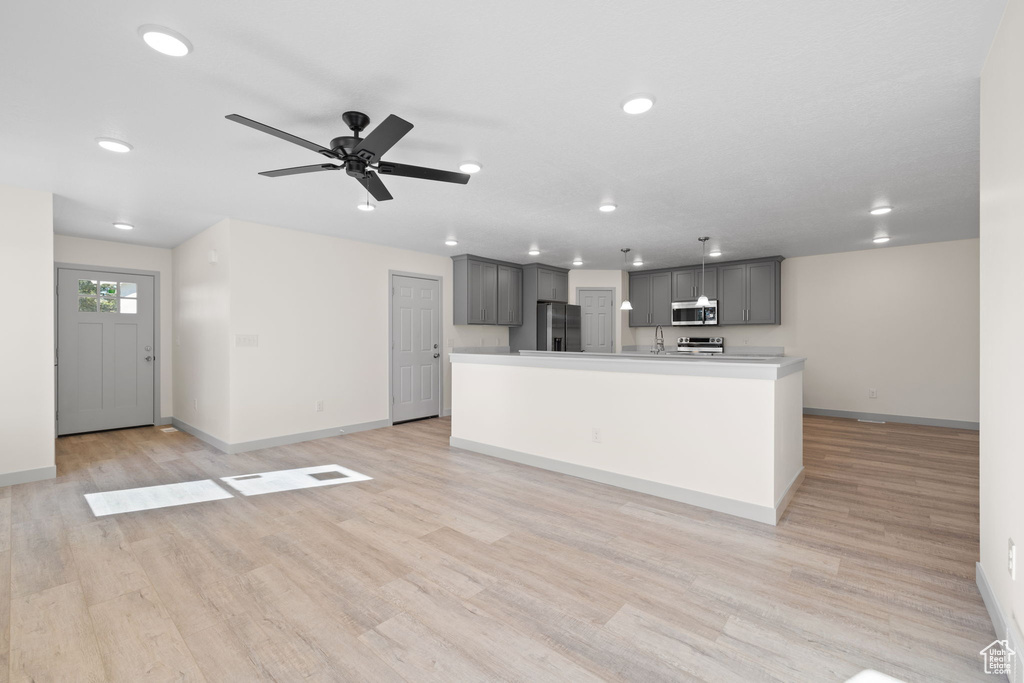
(904,419)
(284,440)
(26,476)
(1005,628)
(758,513)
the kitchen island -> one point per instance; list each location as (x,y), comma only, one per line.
(722,433)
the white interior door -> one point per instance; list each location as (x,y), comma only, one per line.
(415,348)
(597,310)
(105,350)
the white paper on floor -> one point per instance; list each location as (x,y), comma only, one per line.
(290,480)
(168,429)
(152,497)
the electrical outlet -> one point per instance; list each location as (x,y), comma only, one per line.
(872,393)
(1011,559)
(319,406)
(195,405)
(595,435)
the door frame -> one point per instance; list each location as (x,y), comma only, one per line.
(440,344)
(157,351)
(614,292)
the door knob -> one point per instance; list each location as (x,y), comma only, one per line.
(149,357)
(437,355)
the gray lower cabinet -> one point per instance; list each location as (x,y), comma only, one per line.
(687,283)
(749,293)
(552,285)
(651,297)
(486,292)
(510,295)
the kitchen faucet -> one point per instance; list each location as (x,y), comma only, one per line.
(659,340)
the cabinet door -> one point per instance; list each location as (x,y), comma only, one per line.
(732,294)
(504,312)
(640,297)
(561,282)
(710,282)
(545,284)
(661,299)
(516,296)
(761,292)
(490,294)
(684,284)
(475,315)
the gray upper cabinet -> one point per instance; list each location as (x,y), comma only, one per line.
(483,292)
(651,297)
(732,305)
(687,283)
(552,285)
(640,298)
(486,292)
(510,295)
(750,293)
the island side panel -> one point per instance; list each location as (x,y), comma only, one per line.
(789,438)
(711,435)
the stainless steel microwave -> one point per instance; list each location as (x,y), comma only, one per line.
(692,313)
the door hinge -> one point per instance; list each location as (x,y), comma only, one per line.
(392,400)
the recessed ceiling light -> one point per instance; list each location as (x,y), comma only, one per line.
(880,210)
(638,262)
(124,226)
(880,240)
(607,207)
(577,262)
(450,243)
(534,252)
(112,145)
(638,104)
(470,166)
(365,206)
(165,41)
(714,253)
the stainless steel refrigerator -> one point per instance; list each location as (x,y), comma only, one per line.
(558,327)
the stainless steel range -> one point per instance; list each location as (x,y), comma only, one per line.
(701,345)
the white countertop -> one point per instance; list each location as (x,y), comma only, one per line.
(749,367)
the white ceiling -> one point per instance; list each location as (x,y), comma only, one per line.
(777,124)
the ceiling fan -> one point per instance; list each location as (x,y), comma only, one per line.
(359,157)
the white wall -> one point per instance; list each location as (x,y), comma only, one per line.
(1002,325)
(114,255)
(319,306)
(201,324)
(901,320)
(27,346)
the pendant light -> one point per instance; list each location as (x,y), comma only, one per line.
(703,300)
(626,306)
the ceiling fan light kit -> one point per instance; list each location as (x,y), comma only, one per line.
(359,157)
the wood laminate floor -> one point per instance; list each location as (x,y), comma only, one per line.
(450,566)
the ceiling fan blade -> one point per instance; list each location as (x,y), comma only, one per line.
(280,134)
(374,186)
(382,138)
(295,170)
(388,168)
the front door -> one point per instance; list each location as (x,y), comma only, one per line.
(597,309)
(415,348)
(105,350)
